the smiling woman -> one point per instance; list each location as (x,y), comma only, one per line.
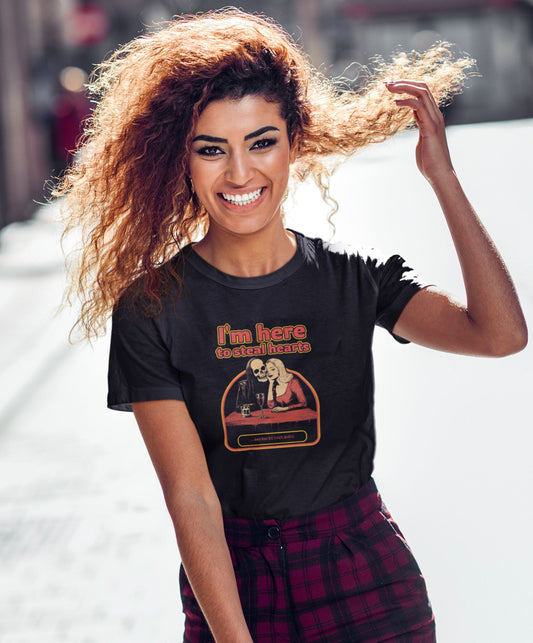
(266,463)
(242,180)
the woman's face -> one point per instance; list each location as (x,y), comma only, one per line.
(271,371)
(239,163)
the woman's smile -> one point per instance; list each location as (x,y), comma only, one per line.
(240,162)
(239,202)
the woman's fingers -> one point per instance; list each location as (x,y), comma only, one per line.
(414,87)
(432,150)
(422,98)
(414,104)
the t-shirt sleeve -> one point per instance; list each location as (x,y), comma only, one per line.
(396,283)
(140,367)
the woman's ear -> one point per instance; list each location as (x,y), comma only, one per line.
(295,146)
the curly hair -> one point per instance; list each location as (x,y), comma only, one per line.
(129,192)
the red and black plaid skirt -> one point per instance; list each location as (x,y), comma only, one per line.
(342,574)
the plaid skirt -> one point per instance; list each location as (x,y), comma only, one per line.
(343,574)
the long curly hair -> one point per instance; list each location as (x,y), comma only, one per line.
(129,193)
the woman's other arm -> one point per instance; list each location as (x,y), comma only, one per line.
(296,388)
(178,457)
(492,322)
(270,394)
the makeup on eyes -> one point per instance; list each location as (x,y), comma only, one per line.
(213,150)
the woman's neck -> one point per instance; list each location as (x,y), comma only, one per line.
(252,255)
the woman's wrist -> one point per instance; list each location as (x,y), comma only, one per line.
(444,180)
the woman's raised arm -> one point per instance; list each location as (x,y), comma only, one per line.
(492,322)
(177,455)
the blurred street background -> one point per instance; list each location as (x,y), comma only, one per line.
(49,47)
(87,552)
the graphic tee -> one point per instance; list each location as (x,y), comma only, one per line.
(276,371)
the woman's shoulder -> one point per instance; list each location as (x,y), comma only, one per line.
(316,249)
(342,260)
(150,291)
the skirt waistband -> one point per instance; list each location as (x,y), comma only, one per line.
(241,532)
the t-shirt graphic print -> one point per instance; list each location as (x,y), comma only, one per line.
(270,406)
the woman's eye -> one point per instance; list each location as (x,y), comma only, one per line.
(209,150)
(264,143)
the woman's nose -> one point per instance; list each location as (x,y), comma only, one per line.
(239,170)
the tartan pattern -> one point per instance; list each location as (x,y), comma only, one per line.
(341,575)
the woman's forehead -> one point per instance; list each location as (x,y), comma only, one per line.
(233,118)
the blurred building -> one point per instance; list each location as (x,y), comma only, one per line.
(23,38)
(497,33)
(39,39)
(45,44)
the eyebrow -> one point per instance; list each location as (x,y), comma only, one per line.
(216,139)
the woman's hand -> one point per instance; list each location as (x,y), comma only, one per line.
(432,155)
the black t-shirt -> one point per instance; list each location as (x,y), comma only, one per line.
(276,371)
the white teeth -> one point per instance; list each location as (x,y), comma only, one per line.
(243,199)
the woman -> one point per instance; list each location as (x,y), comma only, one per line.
(197,129)
(284,390)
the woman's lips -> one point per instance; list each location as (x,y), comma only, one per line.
(244,201)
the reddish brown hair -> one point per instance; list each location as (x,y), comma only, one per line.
(129,191)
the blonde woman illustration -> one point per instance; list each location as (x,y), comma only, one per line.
(284,390)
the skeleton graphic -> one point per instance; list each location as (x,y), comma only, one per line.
(256,379)
(257,368)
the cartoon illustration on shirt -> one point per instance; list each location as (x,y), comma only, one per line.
(268,406)
(284,390)
(256,379)
(256,368)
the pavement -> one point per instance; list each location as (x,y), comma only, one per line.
(86,546)
(87,550)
